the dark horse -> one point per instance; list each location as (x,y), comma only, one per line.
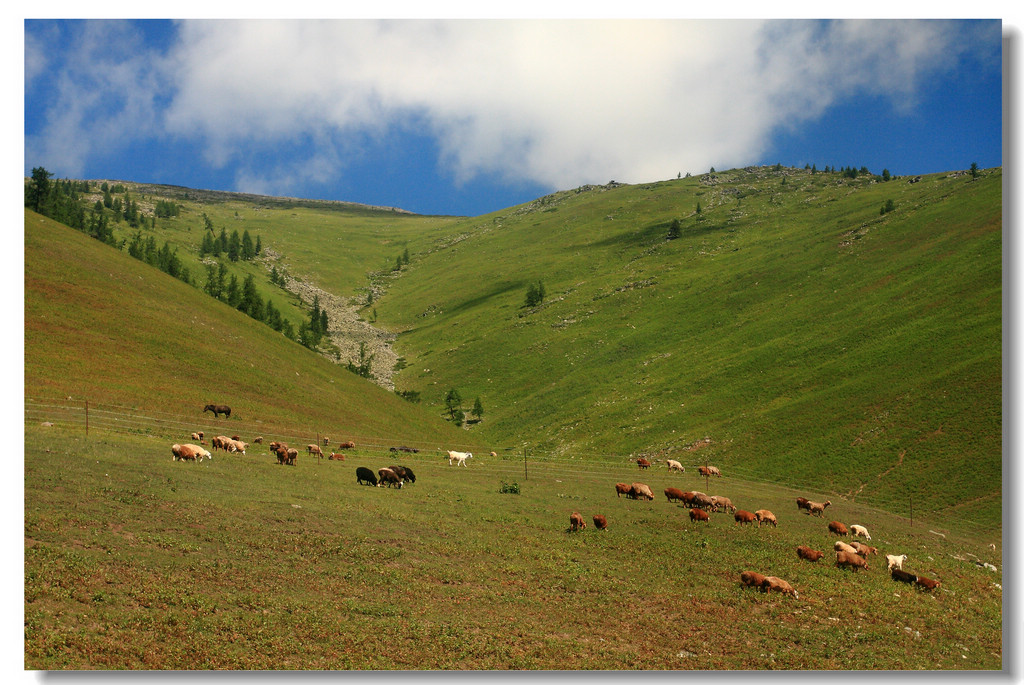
(218,409)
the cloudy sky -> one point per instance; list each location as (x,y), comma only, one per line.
(470,116)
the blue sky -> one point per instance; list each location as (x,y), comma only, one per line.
(471,116)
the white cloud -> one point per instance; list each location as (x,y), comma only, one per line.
(559,102)
(102,93)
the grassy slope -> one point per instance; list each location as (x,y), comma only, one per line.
(104,327)
(814,341)
(134,561)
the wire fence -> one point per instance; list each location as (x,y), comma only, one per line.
(504,463)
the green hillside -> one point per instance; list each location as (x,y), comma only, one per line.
(794,332)
(103,327)
(813,339)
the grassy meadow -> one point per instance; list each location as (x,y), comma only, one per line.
(793,335)
(133,561)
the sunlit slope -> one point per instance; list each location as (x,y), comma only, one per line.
(814,339)
(102,326)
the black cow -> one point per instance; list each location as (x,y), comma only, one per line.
(363,473)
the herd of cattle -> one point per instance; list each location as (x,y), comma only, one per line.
(853,555)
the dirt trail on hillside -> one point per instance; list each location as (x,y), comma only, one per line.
(346,331)
(344,327)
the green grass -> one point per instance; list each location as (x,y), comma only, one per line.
(824,350)
(102,327)
(133,561)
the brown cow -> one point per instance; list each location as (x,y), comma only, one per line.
(805,552)
(643,463)
(927,584)
(346,445)
(752,579)
(673,494)
(336,456)
(708,471)
(854,561)
(743,516)
(902,576)
(576,521)
(623,489)
(600,522)
(778,585)
(699,515)
(837,528)
(803,503)
(863,549)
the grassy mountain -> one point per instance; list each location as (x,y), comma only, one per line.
(103,327)
(791,333)
(813,338)
(837,334)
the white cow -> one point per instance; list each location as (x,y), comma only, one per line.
(894,561)
(459,457)
(860,530)
(674,465)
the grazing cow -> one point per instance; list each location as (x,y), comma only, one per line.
(600,522)
(764,516)
(576,522)
(892,561)
(643,463)
(459,458)
(293,455)
(314,449)
(327,441)
(389,477)
(805,552)
(708,471)
(365,474)
(642,491)
(236,446)
(282,454)
(336,456)
(674,494)
(258,440)
(702,501)
(349,445)
(409,475)
(860,531)
(773,583)
(218,409)
(743,516)
(674,465)
(803,503)
(699,515)
(927,584)
(752,579)
(719,502)
(274,445)
(220,442)
(817,508)
(863,549)
(197,436)
(902,576)
(183,453)
(623,489)
(837,528)
(841,546)
(851,560)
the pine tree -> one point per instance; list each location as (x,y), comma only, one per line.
(478,409)
(674,229)
(248,250)
(234,247)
